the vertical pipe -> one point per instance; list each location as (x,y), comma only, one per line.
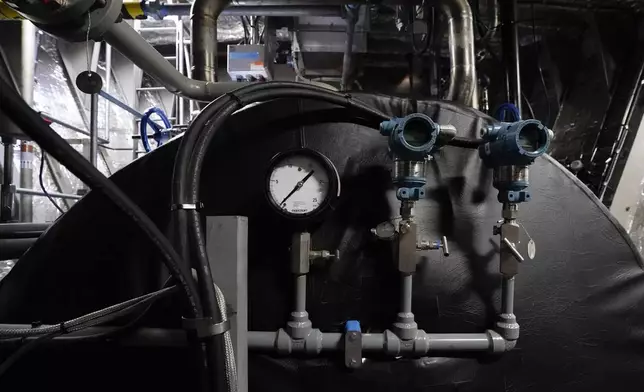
(204,14)
(191,102)
(6,193)
(254,36)
(347,60)
(93,130)
(406,293)
(510,42)
(507,295)
(108,85)
(181,67)
(463,83)
(300,293)
(28,62)
(26,180)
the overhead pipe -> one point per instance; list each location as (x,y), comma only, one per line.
(204,14)
(462,86)
(130,44)
(181,9)
(347,60)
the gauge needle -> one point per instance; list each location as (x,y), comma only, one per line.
(298,186)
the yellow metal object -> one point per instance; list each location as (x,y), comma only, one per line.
(8,13)
(133,9)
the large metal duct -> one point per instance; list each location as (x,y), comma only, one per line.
(204,16)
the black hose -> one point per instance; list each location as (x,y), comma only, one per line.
(95,318)
(34,126)
(465,142)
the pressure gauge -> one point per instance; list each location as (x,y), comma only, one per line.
(302,183)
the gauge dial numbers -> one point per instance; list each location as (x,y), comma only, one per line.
(301,183)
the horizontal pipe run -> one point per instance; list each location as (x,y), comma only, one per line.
(382,343)
(34,192)
(372,343)
(54,120)
(276,10)
(130,44)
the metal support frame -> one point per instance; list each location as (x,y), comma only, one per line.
(227,243)
(7,189)
(34,192)
(93,130)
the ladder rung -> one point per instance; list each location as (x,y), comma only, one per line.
(138,120)
(156,28)
(187,42)
(170,57)
(150,89)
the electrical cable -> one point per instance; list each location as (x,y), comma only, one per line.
(527,102)
(43,156)
(85,320)
(246,32)
(34,126)
(89,320)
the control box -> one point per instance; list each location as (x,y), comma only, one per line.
(248,63)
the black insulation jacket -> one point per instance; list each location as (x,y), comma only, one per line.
(15,108)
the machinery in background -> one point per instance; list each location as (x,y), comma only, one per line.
(249,63)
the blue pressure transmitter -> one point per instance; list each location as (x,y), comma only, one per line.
(509,149)
(415,137)
(412,140)
(517,143)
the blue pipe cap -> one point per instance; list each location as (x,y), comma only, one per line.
(352,326)
(516,143)
(412,137)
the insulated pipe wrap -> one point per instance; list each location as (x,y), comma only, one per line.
(462,86)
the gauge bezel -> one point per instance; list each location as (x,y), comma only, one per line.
(333,193)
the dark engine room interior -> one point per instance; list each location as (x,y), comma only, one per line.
(305,195)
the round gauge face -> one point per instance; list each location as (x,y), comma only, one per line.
(298,185)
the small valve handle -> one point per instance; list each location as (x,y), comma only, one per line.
(434,245)
(513,250)
(320,256)
(445,247)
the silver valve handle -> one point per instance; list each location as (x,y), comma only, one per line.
(434,245)
(513,250)
(320,257)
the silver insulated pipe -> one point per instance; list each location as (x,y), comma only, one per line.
(462,86)
(204,16)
